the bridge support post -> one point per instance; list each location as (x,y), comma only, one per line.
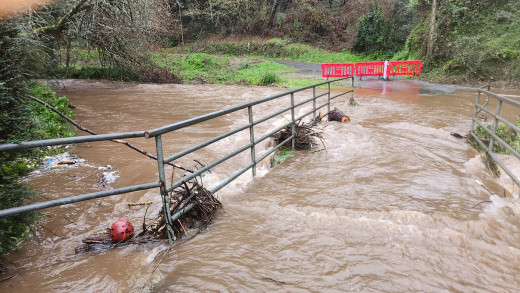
(164,193)
(495,126)
(252,139)
(352,93)
(328,100)
(293,143)
(475,111)
(313,103)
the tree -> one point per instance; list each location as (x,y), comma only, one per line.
(432,30)
(374,33)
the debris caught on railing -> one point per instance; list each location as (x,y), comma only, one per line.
(305,136)
(205,205)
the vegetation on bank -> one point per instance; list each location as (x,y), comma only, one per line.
(44,124)
(504,132)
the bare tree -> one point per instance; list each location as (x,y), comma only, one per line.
(121,30)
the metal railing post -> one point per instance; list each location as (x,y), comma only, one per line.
(252,139)
(352,93)
(328,100)
(164,193)
(475,111)
(314,103)
(495,126)
(293,143)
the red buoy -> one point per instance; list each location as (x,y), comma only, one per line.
(121,230)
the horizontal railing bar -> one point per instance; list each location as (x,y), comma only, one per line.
(195,120)
(500,97)
(322,95)
(203,144)
(271,116)
(262,138)
(498,139)
(302,116)
(207,167)
(304,102)
(235,176)
(274,149)
(70,140)
(322,106)
(73,199)
(338,95)
(499,118)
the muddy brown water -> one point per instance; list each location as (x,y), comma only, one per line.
(392,205)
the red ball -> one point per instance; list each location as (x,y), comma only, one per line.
(121,230)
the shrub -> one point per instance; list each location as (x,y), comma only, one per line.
(374,33)
(268,78)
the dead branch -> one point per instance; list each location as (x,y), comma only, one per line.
(76,124)
(57,28)
(133,204)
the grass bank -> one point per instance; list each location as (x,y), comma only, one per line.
(14,165)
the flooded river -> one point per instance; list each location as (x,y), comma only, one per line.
(392,205)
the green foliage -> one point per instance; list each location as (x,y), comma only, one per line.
(281,155)
(477,40)
(89,72)
(504,132)
(50,124)
(16,227)
(23,56)
(283,49)
(268,78)
(374,33)
(261,73)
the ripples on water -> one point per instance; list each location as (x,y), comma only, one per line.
(390,206)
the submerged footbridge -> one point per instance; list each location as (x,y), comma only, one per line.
(321,97)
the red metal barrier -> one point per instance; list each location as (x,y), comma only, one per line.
(378,68)
(337,69)
(404,67)
(370,68)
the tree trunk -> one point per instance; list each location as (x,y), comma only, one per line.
(429,51)
(273,12)
(337,115)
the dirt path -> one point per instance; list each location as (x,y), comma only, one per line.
(304,68)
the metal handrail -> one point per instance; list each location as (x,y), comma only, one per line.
(494,138)
(162,160)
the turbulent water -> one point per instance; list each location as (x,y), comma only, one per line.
(392,204)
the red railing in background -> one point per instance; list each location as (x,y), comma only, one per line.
(378,68)
(404,67)
(337,69)
(370,68)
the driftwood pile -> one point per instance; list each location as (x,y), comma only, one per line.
(193,221)
(199,217)
(305,136)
